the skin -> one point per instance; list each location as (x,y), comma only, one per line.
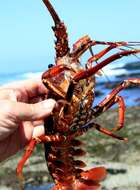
(22,110)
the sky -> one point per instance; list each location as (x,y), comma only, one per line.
(27,40)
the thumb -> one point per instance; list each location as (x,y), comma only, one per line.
(32,112)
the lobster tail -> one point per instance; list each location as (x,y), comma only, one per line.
(90,179)
(61,44)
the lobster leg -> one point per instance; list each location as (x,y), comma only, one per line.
(25,157)
(96,126)
(102,107)
(91,71)
(80,43)
(100,54)
(52,138)
(84,46)
(91,124)
(107,102)
(85,43)
(31,146)
(126,83)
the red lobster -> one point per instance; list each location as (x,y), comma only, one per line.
(72,86)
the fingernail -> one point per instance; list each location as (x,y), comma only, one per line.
(49,104)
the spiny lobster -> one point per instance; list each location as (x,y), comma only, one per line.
(72,86)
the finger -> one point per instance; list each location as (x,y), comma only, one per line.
(19,139)
(16,141)
(36,99)
(27,130)
(38,131)
(8,94)
(32,112)
(37,123)
(30,88)
(34,88)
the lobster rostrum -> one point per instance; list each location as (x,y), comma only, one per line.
(72,86)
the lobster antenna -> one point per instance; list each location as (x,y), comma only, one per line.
(52,12)
(61,43)
(132,49)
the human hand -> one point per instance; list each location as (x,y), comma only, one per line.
(21,114)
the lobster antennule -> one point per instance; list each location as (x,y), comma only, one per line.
(52,12)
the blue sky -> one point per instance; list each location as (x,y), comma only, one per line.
(26,38)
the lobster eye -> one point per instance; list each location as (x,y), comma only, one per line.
(50,66)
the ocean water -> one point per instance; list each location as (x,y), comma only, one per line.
(10,77)
(15,76)
(42,187)
(131,96)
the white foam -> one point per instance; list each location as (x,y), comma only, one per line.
(115,71)
(31,75)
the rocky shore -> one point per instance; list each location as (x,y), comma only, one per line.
(122,159)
